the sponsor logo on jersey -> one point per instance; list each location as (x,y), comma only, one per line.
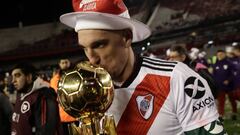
(25,107)
(205,102)
(145,105)
(15,117)
(14,132)
(194,88)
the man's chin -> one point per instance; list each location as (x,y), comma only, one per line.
(115,77)
(18,89)
(23,89)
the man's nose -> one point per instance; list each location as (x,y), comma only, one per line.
(93,57)
(13,80)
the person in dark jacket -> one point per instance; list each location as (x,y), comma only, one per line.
(223,76)
(36,108)
(5,109)
(236,64)
(179,53)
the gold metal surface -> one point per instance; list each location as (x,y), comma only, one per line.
(86,93)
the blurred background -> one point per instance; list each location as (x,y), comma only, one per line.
(30,30)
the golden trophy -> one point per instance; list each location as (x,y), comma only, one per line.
(86,93)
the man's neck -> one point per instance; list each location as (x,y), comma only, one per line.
(26,88)
(127,70)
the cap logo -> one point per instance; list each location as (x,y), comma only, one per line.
(88,4)
(105,6)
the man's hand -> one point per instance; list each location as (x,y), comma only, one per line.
(213,128)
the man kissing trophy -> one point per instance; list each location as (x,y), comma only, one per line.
(86,93)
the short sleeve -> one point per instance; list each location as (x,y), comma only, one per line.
(193,101)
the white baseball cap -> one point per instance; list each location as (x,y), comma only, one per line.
(104,14)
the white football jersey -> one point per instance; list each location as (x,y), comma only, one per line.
(162,98)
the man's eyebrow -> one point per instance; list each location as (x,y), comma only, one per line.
(94,43)
(81,46)
(101,41)
(14,74)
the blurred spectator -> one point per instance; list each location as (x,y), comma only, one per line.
(36,108)
(8,85)
(193,54)
(43,76)
(229,51)
(236,64)
(179,53)
(198,57)
(168,52)
(5,109)
(201,58)
(222,73)
(9,88)
(236,50)
(64,65)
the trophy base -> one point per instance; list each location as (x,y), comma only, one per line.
(94,126)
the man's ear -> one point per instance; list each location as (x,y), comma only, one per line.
(183,57)
(127,34)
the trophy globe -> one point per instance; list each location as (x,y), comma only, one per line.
(86,93)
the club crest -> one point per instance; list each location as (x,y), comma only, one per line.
(145,105)
(25,107)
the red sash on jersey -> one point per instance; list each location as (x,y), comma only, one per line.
(132,122)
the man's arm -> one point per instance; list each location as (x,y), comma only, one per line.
(213,128)
(211,82)
(195,105)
